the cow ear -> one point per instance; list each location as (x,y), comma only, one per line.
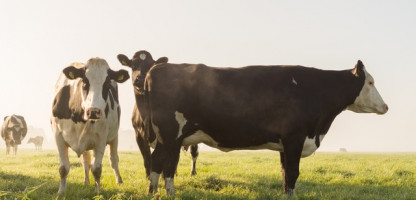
(359,68)
(119,76)
(161,60)
(124,60)
(72,72)
(5,118)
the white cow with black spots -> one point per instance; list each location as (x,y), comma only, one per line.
(86,115)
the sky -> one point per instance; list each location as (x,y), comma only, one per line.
(40,38)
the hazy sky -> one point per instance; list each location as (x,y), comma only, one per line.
(39,38)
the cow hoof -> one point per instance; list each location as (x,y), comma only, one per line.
(193,173)
(119,181)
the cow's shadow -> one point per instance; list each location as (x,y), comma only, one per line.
(211,188)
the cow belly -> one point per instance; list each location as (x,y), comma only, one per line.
(201,137)
(309,146)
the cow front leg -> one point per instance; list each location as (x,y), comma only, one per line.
(194,154)
(63,162)
(282,163)
(292,154)
(97,166)
(144,150)
(86,163)
(114,160)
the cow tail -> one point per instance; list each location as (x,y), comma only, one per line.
(148,113)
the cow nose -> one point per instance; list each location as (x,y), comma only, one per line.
(386,107)
(94,113)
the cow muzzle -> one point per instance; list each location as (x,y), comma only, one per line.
(93,113)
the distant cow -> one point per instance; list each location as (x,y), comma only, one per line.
(13,131)
(86,116)
(38,141)
(140,64)
(283,108)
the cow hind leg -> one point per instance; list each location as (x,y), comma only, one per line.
(156,170)
(169,168)
(7,149)
(15,149)
(194,154)
(86,163)
(114,160)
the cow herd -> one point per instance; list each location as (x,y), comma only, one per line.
(282,108)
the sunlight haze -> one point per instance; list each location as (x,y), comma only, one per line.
(39,38)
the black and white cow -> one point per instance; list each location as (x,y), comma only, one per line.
(86,116)
(13,131)
(283,108)
(37,141)
(140,64)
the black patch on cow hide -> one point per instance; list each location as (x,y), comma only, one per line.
(67,104)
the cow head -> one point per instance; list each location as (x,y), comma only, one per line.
(369,100)
(15,129)
(96,80)
(140,64)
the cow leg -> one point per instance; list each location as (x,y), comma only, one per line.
(157,164)
(63,162)
(194,154)
(145,151)
(113,157)
(282,162)
(15,149)
(7,149)
(292,155)
(86,163)
(97,166)
(169,168)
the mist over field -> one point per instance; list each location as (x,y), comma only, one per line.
(40,38)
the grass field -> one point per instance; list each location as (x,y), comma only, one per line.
(234,175)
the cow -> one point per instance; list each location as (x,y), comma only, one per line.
(86,116)
(38,141)
(13,131)
(282,108)
(140,64)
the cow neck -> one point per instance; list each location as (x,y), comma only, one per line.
(343,91)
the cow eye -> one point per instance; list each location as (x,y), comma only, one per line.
(371,83)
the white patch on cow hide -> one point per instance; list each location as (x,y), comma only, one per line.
(18,121)
(142,56)
(96,73)
(154,180)
(199,137)
(156,130)
(181,121)
(294,81)
(169,186)
(309,146)
(369,100)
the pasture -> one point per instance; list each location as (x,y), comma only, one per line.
(235,175)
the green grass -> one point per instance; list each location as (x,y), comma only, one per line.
(234,175)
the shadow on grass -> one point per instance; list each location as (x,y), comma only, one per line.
(215,187)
